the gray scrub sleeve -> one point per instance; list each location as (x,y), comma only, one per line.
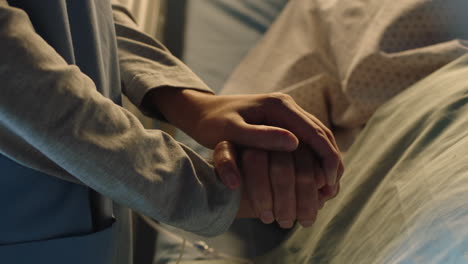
(52,119)
(146,64)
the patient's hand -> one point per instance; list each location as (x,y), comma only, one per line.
(288,186)
(278,186)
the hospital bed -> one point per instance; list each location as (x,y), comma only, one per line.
(404,196)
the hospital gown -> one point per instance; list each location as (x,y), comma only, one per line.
(341,60)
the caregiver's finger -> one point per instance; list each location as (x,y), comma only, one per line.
(327,130)
(331,138)
(329,135)
(257,183)
(282,111)
(306,188)
(283,180)
(224,159)
(263,137)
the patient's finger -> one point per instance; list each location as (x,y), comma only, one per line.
(257,183)
(282,177)
(264,137)
(224,159)
(329,192)
(306,188)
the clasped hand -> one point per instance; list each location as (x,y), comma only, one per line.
(289,161)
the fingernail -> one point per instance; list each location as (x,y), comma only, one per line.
(307,223)
(331,177)
(286,224)
(267,217)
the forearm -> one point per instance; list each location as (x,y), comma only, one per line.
(57,113)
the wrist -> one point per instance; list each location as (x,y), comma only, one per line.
(181,107)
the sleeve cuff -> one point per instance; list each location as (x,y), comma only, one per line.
(141,84)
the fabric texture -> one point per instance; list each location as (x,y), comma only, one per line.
(404,195)
(341,60)
(59,116)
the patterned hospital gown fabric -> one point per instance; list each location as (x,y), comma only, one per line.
(342,59)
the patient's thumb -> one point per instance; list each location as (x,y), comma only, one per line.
(225,163)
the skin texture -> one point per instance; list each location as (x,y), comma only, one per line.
(289,161)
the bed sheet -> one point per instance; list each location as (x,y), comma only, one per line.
(404,195)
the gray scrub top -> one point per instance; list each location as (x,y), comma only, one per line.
(62,65)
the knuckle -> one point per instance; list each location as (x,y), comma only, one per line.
(284,97)
(227,125)
(321,133)
(325,128)
(277,98)
(328,133)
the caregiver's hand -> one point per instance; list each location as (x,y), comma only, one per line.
(268,121)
